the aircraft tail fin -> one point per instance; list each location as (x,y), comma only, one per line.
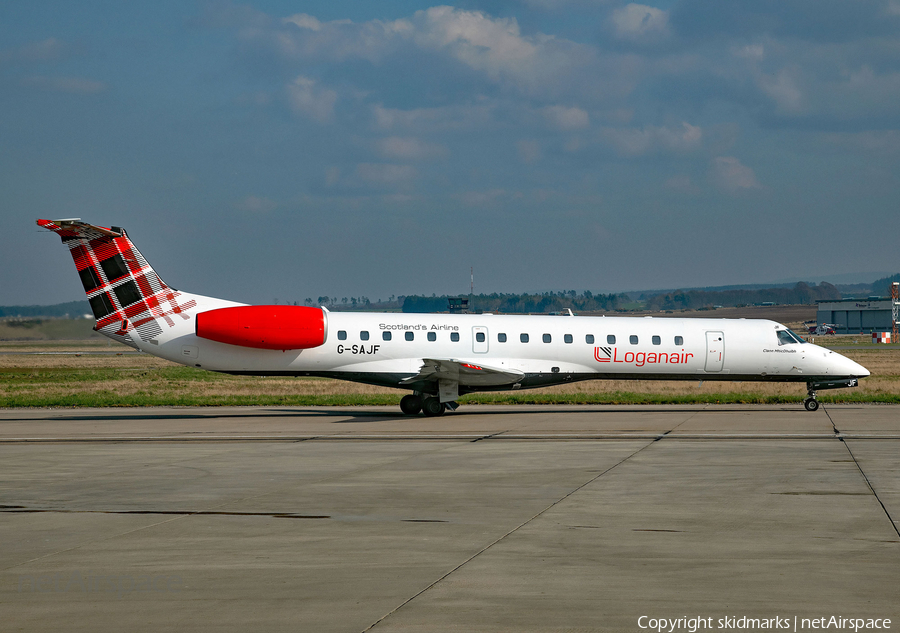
(127,297)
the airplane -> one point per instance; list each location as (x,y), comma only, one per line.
(438,357)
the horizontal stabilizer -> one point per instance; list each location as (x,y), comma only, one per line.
(77,228)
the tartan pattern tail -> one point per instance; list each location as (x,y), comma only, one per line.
(127,297)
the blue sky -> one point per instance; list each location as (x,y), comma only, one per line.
(281,150)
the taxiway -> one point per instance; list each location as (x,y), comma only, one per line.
(491,519)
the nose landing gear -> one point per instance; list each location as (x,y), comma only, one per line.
(811,404)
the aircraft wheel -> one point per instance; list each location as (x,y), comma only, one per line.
(410,404)
(811,404)
(432,407)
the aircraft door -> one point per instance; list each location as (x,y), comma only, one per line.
(715,351)
(480,340)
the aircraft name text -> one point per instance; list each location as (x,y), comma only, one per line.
(417,326)
(357,349)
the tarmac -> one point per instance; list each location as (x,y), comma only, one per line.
(544,518)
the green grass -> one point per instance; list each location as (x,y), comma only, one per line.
(187,386)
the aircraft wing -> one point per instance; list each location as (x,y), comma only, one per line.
(464,372)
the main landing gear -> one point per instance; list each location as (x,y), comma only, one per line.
(429,405)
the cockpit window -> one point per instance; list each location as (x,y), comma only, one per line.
(786,337)
(797,337)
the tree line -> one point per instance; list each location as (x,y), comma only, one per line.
(802,293)
(524,303)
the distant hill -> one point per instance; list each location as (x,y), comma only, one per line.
(70,310)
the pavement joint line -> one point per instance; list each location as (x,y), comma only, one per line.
(489,437)
(512,531)
(841,438)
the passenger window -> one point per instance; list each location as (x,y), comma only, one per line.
(501,338)
(633,339)
(342,335)
(408,336)
(568,338)
(679,340)
(454,336)
(432,337)
(657,340)
(386,336)
(546,338)
(364,335)
(523,338)
(611,339)
(479,336)
(589,339)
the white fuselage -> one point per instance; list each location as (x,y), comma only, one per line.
(387,348)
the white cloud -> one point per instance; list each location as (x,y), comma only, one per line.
(639,141)
(42,51)
(304,21)
(640,22)
(409,148)
(681,183)
(730,174)
(566,118)
(453,117)
(332,176)
(782,88)
(481,198)
(71,85)
(529,151)
(492,46)
(883,142)
(255,204)
(754,52)
(385,174)
(308,98)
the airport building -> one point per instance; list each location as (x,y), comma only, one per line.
(859,316)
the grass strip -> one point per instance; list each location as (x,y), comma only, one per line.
(187,386)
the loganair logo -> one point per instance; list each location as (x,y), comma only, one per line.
(639,359)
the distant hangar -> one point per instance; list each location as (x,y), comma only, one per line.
(859,316)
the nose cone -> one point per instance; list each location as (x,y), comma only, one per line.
(850,368)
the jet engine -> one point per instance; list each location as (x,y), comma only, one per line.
(264,327)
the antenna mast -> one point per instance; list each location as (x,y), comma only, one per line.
(895,310)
